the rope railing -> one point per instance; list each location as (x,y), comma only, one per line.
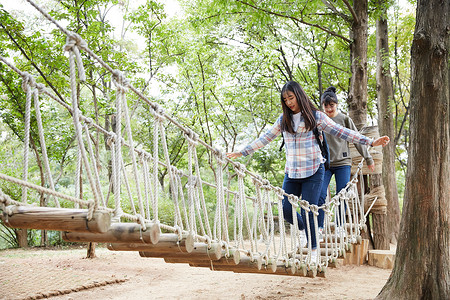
(134,175)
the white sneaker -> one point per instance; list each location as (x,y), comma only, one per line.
(320,237)
(303,239)
(313,256)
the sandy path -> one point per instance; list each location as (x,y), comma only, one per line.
(125,275)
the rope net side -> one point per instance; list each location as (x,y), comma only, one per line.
(237,213)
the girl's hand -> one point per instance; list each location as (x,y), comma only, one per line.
(371,167)
(233,155)
(381,141)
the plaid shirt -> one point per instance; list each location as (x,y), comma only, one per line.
(303,155)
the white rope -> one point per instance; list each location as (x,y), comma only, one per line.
(195,190)
(27,88)
(37,109)
(93,159)
(77,126)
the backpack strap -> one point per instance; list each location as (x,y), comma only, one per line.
(282,143)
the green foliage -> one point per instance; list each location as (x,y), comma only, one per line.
(216,68)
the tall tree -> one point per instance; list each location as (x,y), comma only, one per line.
(385,96)
(357,97)
(422,265)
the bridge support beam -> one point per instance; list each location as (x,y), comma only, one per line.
(118,233)
(50,218)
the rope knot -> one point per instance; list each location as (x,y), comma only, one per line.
(27,81)
(141,220)
(191,136)
(74,42)
(314,209)
(120,81)
(305,205)
(220,156)
(293,200)
(179,232)
(40,87)
(111,138)
(157,112)
(240,169)
(257,180)
(279,192)
(74,39)
(91,208)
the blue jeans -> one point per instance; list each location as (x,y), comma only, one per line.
(308,188)
(342,177)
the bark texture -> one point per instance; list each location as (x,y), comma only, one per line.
(385,95)
(357,97)
(422,263)
(379,228)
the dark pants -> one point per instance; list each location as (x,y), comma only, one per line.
(309,189)
(342,177)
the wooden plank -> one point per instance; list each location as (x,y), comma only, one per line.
(118,233)
(51,218)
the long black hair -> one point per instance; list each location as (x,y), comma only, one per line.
(307,108)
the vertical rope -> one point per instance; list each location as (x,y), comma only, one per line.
(26,87)
(144,170)
(37,109)
(121,87)
(97,177)
(78,131)
(200,185)
(156,126)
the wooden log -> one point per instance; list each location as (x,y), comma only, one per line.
(312,272)
(364,251)
(61,219)
(303,258)
(245,265)
(168,242)
(118,233)
(322,272)
(207,264)
(232,259)
(335,262)
(199,252)
(323,251)
(382,258)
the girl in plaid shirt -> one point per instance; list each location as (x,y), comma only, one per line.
(304,168)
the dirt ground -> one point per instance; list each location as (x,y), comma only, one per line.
(66,274)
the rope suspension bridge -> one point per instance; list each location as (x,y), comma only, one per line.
(230,221)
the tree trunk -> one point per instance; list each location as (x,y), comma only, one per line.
(22,238)
(357,97)
(422,263)
(385,95)
(91,250)
(379,228)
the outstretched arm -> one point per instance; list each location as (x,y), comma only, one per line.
(381,141)
(233,155)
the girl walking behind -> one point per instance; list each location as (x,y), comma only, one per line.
(340,159)
(304,168)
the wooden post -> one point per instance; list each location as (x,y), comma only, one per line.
(50,218)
